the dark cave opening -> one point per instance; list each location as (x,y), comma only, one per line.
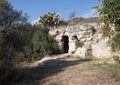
(65,44)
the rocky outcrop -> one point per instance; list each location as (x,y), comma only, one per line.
(102,49)
(81,51)
(93,44)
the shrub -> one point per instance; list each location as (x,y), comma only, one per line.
(33,43)
(20,41)
(43,43)
(116,42)
(78,44)
(50,19)
(72,15)
(24,44)
(117,58)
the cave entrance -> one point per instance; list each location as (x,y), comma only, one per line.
(65,44)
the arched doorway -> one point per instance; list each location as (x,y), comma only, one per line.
(65,44)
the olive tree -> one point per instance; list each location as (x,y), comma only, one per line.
(10,20)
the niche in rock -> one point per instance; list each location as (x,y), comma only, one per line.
(75,38)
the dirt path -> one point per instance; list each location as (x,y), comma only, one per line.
(81,73)
(69,71)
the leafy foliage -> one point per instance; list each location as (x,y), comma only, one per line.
(10,18)
(44,43)
(117,58)
(20,41)
(50,19)
(72,15)
(106,30)
(116,42)
(78,44)
(10,41)
(109,12)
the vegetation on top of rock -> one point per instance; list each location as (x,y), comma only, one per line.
(50,19)
(109,12)
(79,20)
(110,15)
(72,15)
(79,44)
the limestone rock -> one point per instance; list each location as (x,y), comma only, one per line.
(102,49)
(72,47)
(94,45)
(81,52)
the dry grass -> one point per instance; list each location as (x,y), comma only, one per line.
(73,71)
(82,74)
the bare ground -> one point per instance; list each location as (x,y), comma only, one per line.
(71,72)
(80,74)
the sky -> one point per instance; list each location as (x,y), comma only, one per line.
(37,8)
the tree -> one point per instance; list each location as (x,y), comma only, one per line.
(9,17)
(109,12)
(10,21)
(72,15)
(21,41)
(50,19)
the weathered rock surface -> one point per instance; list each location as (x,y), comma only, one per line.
(102,49)
(93,44)
(81,51)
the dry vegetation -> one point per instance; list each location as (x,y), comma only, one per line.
(78,21)
(72,71)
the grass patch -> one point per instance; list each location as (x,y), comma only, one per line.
(111,69)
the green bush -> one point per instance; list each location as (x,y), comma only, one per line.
(116,42)
(33,43)
(117,58)
(43,43)
(20,41)
(50,19)
(27,43)
(109,15)
(78,44)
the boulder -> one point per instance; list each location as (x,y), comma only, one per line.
(83,52)
(80,52)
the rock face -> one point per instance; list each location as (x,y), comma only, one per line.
(102,49)
(93,44)
(81,52)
